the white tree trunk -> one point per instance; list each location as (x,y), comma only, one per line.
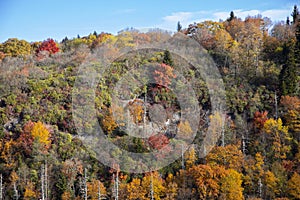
(85,185)
(1,188)
(182,157)
(151,187)
(117,186)
(99,191)
(43,181)
(16,191)
(46,181)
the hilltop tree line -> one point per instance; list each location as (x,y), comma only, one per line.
(256,157)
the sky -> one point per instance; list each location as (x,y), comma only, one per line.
(37,20)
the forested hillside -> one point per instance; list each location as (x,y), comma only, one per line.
(257,156)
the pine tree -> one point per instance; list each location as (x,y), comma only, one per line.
(297,45)
(168,58)
(179,27)
(295,14)
(95,34)
(232,16)
(288,74)
(288,21)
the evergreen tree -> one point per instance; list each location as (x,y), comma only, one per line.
(95,33)
(288,21)
(179,27)
(65,40)
(168,58)
(288,75)
(232,16)
(297,46)
(295,14)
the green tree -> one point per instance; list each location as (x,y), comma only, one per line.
(231,17)
(179,27)
(295,14)
(297,45)
(167,59)
(288,75)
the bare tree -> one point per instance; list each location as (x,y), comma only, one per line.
(43,181)
(182,157)
(116,185)
(151,187)
(1,188)
(85,185)
(99,191)
(16,191)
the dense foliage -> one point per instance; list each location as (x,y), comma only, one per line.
(257,157)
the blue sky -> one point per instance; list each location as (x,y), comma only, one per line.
(37,20)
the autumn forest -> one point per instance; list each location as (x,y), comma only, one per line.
(255,156)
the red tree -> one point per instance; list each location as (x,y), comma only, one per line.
(158,141)
(260,118)
(48,45)
(163,75)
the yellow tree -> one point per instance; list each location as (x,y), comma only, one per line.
(108,122)
(292,118)
(270,183)
(14,178)
(190,157)
(224,47)
(207,179)
(293,186)
(153,181)
(231,185)
(101,38)
(254,173)
(66,195)
(279,137)
(41,134)
(184,130)
(213,133)
(136,109)
(14,47)
(8,153)
(30,192)
(229,156)
(171,187)
(135,190)
(93,188)
(291,109)
(124,39)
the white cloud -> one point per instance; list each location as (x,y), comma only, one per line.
(274,14)
(186,18)
(179,16)
(277,15)
(239,13)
